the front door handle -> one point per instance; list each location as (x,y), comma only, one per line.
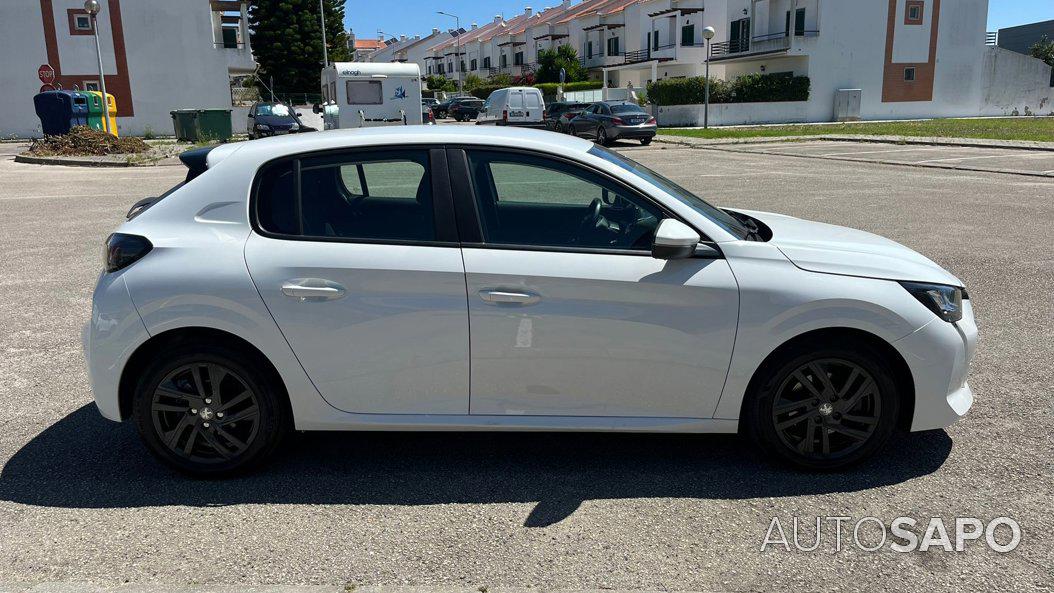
(508,297)
(313,289)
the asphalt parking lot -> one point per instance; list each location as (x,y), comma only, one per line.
(80,500)
(1033,162)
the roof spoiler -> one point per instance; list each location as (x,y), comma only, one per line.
(196,161)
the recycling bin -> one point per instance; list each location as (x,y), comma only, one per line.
(80,109)
(55,110)
(194,125)
(98,115)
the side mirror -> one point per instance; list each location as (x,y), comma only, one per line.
(674,240)
(251,116)
(316,108)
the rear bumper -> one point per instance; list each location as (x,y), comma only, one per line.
(634,132)
(939,355)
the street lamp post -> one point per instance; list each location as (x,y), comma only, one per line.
(457,47)
(325,50)
(92,7)
(708,34)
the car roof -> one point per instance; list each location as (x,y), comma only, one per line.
(266,149)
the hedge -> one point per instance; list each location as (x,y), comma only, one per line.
(547,88)
(751,88)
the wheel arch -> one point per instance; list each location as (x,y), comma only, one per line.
(901,371)
(148,350)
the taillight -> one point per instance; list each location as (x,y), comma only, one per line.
(123,250)
(545,113)
(505,115)
(651,120)
(617,121)
(569,116)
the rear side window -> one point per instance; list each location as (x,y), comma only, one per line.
(516,100)
(532,100)
(383,196)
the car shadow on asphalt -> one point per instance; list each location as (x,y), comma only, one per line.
(84,461)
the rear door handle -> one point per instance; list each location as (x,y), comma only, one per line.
(313,289)
(508,297)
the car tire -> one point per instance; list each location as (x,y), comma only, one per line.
(176,411)
(602,136)
(645,141)
(823,407)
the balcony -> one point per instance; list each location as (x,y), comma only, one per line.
(760,45)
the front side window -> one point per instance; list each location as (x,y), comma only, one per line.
(714,214)
(385,196)
(534,201)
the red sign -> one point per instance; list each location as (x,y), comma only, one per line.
(46,74)
(47,87)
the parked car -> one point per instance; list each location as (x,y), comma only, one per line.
(558,115)
(442,109)
(514,106)
(273,119)
(465,109)
(371,279)
(607,121)
(429,101)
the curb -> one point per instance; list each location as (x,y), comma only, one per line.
(913,140)
(69,161)
(71,587)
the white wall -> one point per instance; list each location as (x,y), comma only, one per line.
(731,114)
(1015,84)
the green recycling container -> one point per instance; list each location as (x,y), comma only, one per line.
(193,125)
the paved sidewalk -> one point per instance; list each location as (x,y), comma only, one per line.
(149,588)
(969,142)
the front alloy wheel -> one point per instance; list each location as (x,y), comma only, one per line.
(825,409)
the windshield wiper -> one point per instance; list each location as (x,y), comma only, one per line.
(751,227)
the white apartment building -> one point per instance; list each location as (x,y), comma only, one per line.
(158,56)
(908,58)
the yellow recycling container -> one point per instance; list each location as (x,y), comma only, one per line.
(96,111)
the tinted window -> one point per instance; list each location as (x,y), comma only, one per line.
(366,196)
(527,200)
(626,108)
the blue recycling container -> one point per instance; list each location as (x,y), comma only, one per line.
(55,110)
(80,109)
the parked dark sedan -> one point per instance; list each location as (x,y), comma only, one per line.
(443,108)
(272,119)
(558,115)
(465,108)
(607,121)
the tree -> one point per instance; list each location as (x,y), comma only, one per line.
(1044,50)
(438,82)
(287,41)
(551,60)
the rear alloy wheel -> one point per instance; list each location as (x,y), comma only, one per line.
(602,136)
(826,410)
(209,412)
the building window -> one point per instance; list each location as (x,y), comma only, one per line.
(79,22)
(91,85)
(504,61)
(909,74)
(655,40)
(429,70)
(688,35)
(913,12)
(589,49)
(462,66)
(518,58)
(799,22)
(486,62)
(613,48)
(473,63)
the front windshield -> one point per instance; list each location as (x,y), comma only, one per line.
(279,110)
(714,214)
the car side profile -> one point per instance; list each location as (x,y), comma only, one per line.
(607,121)
(496,279)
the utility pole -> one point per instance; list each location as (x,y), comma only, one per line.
(92,7)
(708,34)
(457,47)
(325,50)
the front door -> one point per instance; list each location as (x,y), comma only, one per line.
(569,313)
(364,280)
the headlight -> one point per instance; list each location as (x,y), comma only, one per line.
(263,127)
(294,127)
(945,301)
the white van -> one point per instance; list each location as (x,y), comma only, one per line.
(514,106)
(364,95)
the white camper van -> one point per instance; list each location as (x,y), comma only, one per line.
(514,106)
(364,95)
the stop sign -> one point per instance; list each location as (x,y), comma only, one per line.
(46,74)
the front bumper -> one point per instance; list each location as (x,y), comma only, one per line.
(939,355)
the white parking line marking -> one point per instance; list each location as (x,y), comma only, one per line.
(883,151)
(987,156)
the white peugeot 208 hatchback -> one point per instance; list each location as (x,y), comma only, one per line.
(420,278)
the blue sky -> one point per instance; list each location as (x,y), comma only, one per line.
(411,17)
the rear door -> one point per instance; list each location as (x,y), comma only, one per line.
(356,256)
(569,313)
(532,104)
(517,113)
